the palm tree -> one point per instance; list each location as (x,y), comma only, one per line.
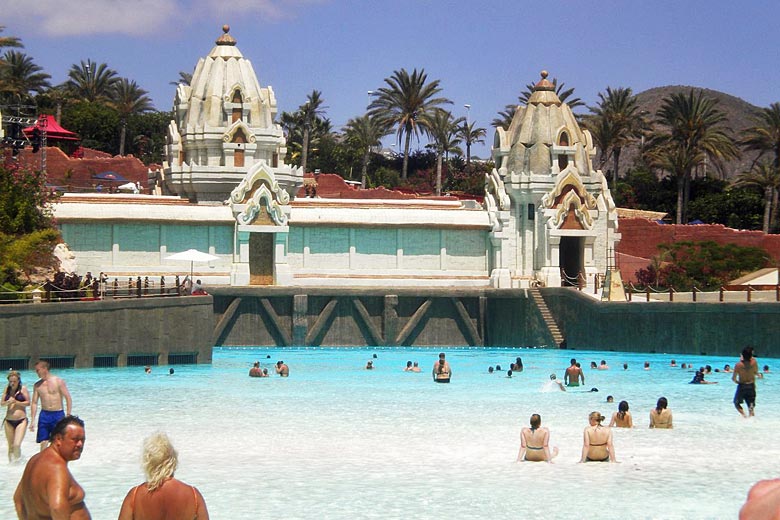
(505,117)
(91,81)
(764,138)
(365,132)
(765,176)
(310,113)
(8,41)
(443,130)
(693,133)
(128,99)
(618,121)
(565,95)
(470,135)
(185,78)
(19,76)
(404,102)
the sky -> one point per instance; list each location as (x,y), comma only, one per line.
(483,53)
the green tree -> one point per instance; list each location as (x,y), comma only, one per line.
(185,78)
(505,117)
(615,123)
(692,133)
(766,177)
(443,131)
(470,135)
(147,132)
(310,115)
(90,81)
(764,137)
(95,123)
(9,41)
(404,102)
(128,99)
(564,94)
(20,76)
(366,132)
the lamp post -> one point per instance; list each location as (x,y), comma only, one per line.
(468,112)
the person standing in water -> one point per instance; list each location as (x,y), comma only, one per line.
(441,370)
(51,390)
(573,374)
(16,399)
(745,376)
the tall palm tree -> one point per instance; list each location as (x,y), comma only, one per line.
(764,137)
(365,132)
(505,117)
(443,130)
(19,76)
(618,120)
(310,112)
(8,41)
(128,99)
(693,132)
(90,81)
(470,135)
(185,78)
(764,176)
(404,102)
(564,94)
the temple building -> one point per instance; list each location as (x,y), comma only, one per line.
(547,219)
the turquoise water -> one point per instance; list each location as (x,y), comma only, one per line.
(337,441)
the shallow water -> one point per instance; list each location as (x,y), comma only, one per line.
(337,441)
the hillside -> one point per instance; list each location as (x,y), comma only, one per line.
(739,115)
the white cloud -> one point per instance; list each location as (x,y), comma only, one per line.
(135,17)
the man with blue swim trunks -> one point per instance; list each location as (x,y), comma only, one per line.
(51,390)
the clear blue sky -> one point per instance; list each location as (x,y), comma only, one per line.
(484,53)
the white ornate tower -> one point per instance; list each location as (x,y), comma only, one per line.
(554,221)
(223,129)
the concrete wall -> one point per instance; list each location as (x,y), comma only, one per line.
(108,328)
(718,329)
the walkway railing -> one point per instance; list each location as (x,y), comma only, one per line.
(131,287)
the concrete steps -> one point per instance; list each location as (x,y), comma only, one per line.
(547,316)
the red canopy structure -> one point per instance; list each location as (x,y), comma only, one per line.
(53,129)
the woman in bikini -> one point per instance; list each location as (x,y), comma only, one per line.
(597,441)
(622,418)
(661,416)
(534,442)
(16,399)
(162,497)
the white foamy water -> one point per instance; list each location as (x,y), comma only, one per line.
(337,441)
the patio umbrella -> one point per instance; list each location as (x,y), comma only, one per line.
(110,176)
(192,256)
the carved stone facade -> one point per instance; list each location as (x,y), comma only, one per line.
(223,127)
(554,221)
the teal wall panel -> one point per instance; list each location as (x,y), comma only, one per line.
(183,237)
(137,237)
(87,237)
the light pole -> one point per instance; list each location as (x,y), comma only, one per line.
(468,112)
(371,93)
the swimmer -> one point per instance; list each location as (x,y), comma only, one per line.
(573,374)
(745,376)
(490,369)
(727,368)
(370,365)
(408,366)
(509,373)
(597,441)
(16,399)
(603,365)
(766,369)
(647,365)
(673,363)
(554,379)
(661,416)
(147,369)
(610,399)
(415,367)
(255,370)
(622,418)
(625,366)
(282,369)
(265,373)
(698,378)
(593,365)
(534,443)
(517,366)
(51,391)
(441,370)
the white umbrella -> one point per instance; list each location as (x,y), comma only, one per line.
(192,256)
(130,186)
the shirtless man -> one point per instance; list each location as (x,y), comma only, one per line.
(573,374)
(255,370)
(282,369)
(47,489)
(745,376)
(51,390)
(763,501)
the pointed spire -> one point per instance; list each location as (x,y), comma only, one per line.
(225,39)
(543,83)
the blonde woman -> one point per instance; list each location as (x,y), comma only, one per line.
(661,416)
(597,441)
(162,497)
(16,399)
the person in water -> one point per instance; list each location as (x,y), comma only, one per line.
(441,370)
(162,497)
(255,371)
(661,416)
(597,441)
(745,376)
(535,442)
(622,418)
(16,399)
(573,374)
(51,391)
(554,379)
(47,489)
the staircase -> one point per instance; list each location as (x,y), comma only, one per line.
(547,316)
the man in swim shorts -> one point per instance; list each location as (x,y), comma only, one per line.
(745,376)
(51,390)
(573,375)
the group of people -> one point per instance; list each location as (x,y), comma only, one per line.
(281,369)
(597,443)
(47,489)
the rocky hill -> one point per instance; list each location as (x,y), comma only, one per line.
(739,115)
